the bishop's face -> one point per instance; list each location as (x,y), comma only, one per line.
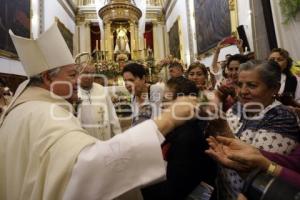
(64,83)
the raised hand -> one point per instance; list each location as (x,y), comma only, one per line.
(235,154)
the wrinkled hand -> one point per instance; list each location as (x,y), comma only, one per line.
(220,153)
(235,154)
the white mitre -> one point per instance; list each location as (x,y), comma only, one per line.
(44,53)
(47,52)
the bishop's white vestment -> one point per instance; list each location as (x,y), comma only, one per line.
(45,154)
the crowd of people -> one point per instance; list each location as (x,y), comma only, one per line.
(196,136)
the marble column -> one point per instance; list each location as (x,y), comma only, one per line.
(82,37)
(159,41)
(133,41)
(260,37)
(141,44)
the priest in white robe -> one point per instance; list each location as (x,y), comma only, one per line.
(44,152)
(96,111)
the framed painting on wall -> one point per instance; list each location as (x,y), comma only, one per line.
(174,41)
(66,33)
(14,15)
(212,20)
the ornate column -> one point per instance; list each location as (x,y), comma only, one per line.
(233,15)
(190,32)
(133,41)
(82,35)
(108,41)
(158,41)
(140,48)
(87,37)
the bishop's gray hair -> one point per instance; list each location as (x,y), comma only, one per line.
(269,71)
(37,80)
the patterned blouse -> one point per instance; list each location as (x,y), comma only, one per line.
(276,130)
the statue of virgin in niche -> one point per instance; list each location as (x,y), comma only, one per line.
(122,45)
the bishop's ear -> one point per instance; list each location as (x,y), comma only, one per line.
(47,80)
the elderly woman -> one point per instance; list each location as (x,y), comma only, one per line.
(198,73)
(258,118)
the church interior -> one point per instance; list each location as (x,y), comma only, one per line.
(163,36)
(148,31)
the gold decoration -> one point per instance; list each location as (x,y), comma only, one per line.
(232,5)
(116,14)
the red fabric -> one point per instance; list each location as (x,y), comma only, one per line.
(95,35)
(148,35)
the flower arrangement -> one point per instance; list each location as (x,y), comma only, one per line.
(108,68)
(289,9)
(122,57)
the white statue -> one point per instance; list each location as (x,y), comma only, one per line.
(122,45)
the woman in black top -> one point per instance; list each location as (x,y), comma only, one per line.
(288,80)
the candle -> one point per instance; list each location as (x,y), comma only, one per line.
(145,43)
(97,45)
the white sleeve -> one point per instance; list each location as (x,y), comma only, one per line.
(107,169)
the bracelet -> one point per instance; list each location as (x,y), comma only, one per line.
(271,169)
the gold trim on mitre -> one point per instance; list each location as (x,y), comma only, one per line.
(47,52)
